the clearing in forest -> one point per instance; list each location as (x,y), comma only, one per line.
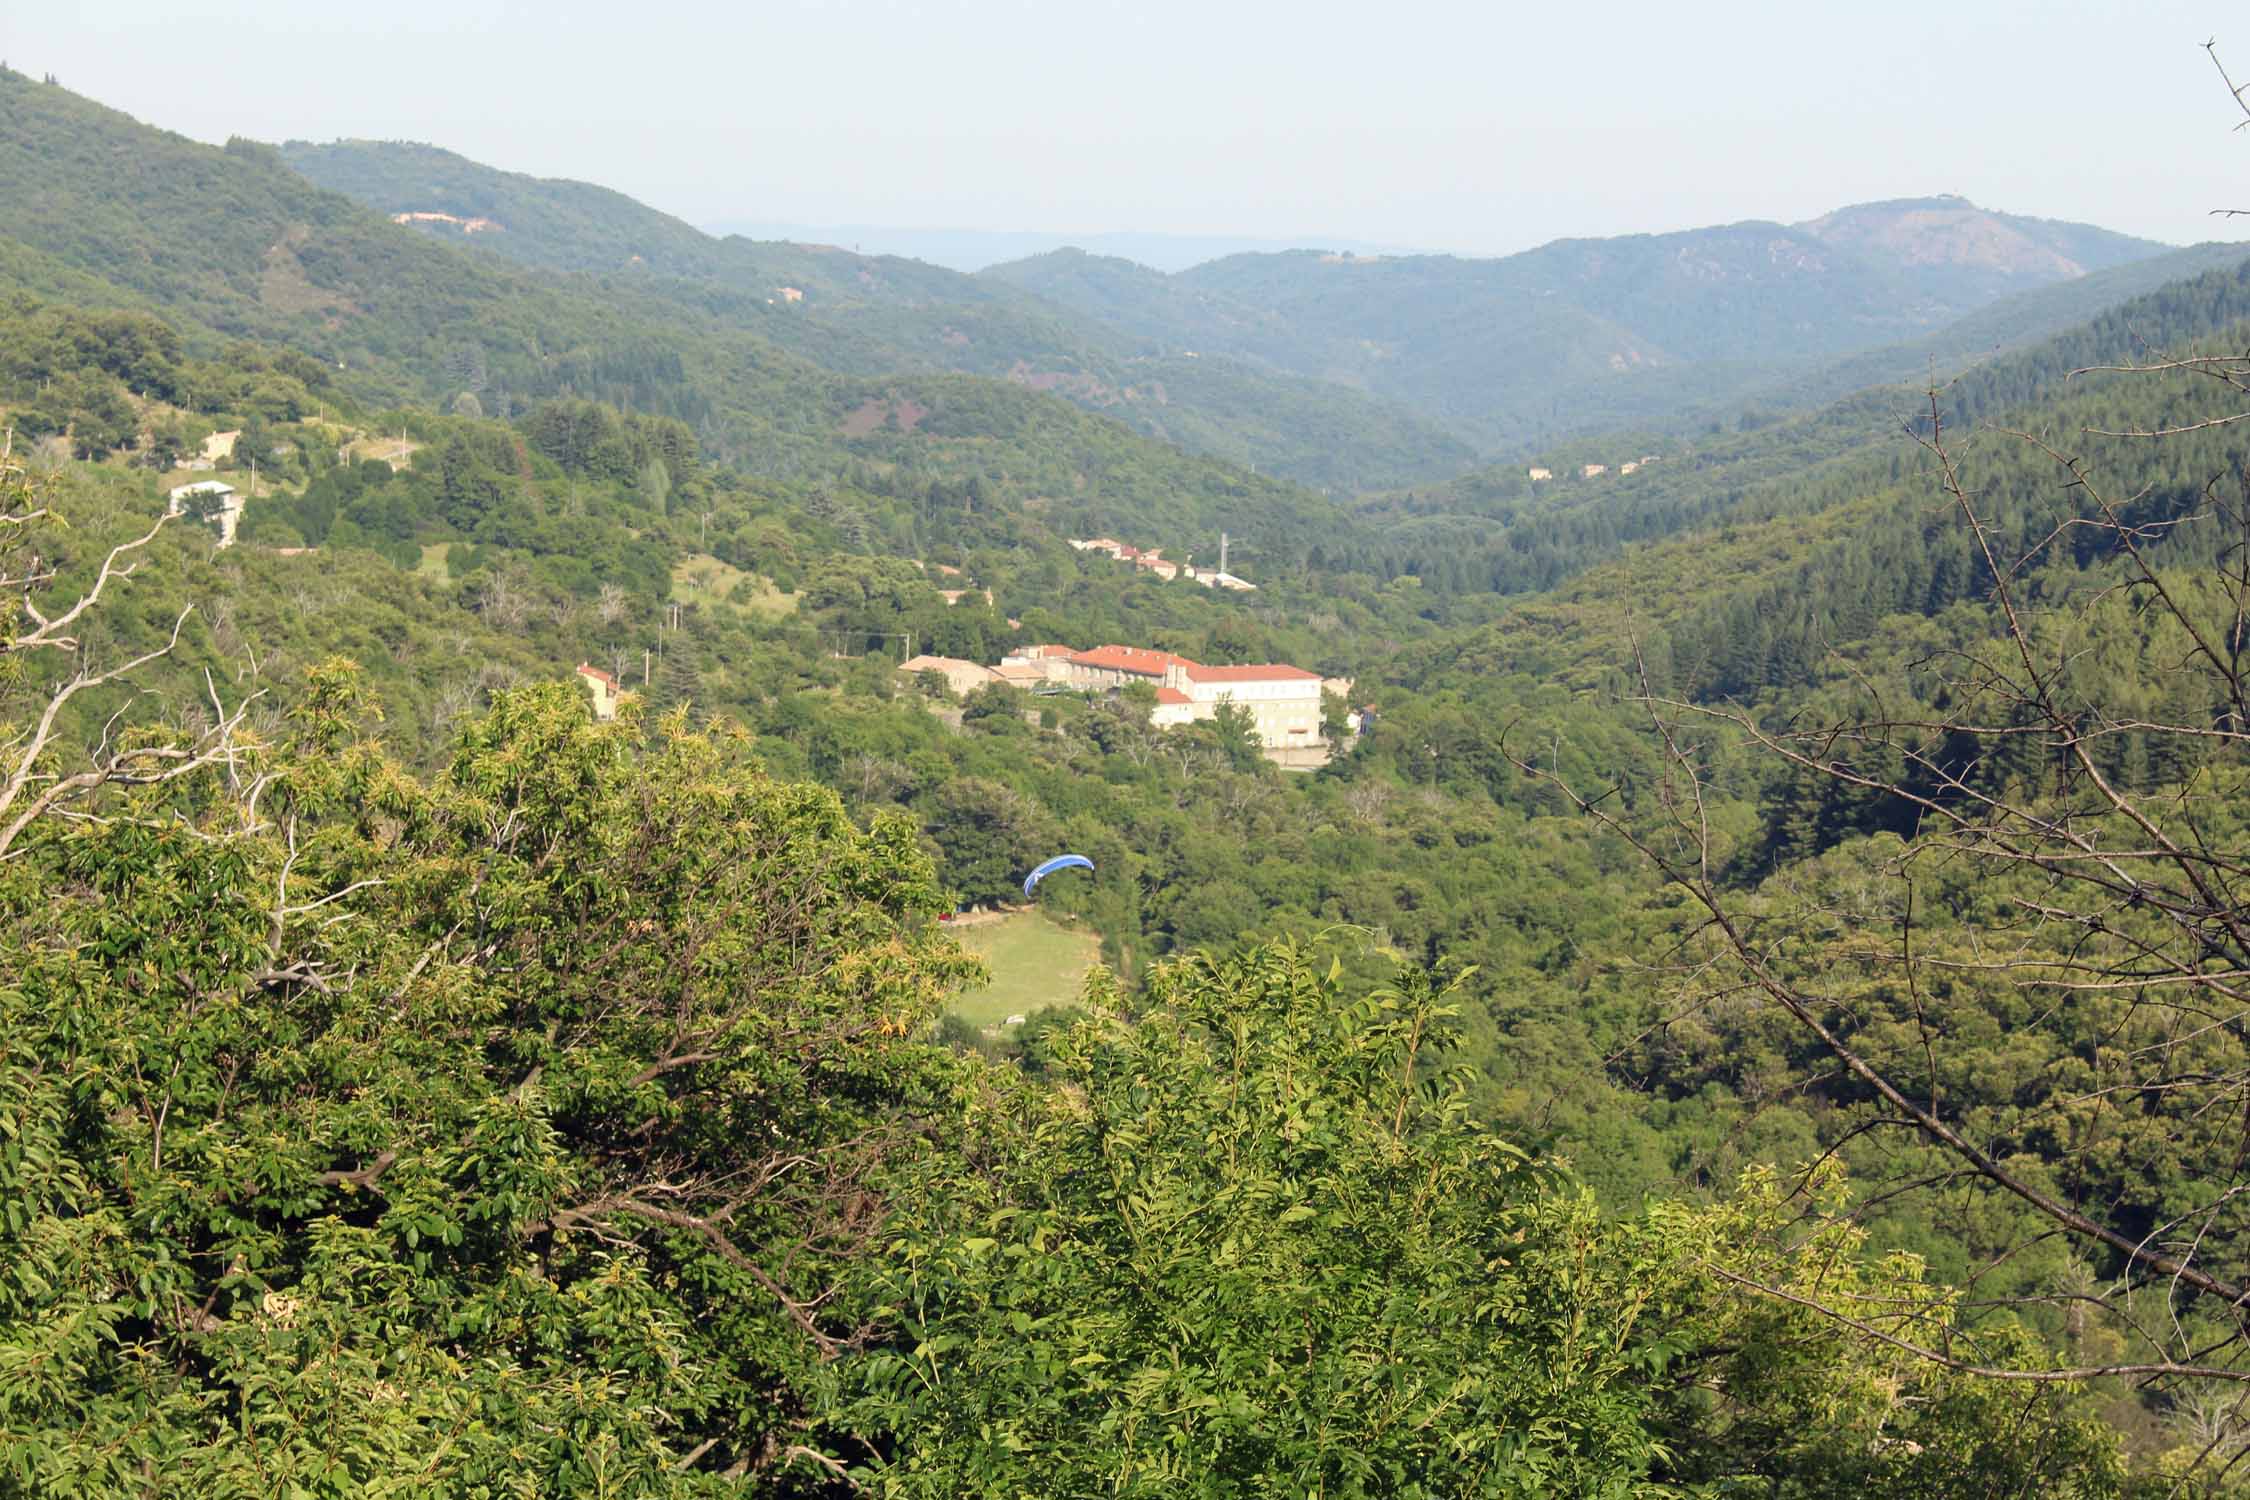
(393,451)
(704,580)
(1035,962)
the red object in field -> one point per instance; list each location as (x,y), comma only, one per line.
(945,916)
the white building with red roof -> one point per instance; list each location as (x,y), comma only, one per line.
(1172,707)
(1283,701)
(1119,666)
(605,688)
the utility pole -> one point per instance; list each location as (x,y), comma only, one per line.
(1222,554)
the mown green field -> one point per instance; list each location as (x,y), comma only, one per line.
(1035,962)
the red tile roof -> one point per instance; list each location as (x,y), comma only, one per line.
(1131,659)
(1270,672)
(597,673)
(1172,695)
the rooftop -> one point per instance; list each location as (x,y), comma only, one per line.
(1131,659)
(1268,672)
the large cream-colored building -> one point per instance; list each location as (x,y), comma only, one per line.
(1120,666)
(1283,701)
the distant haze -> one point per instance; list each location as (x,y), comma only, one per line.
(1458,125)
(974,249)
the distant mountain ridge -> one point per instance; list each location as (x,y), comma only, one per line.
(230,244)
(1586,333)
(1950,230)
(883,314)
(970,250)
(1341,368)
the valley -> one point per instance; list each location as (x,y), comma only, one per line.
(518,970)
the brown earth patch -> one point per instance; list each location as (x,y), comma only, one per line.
(1075,384)
(284,286)
(871,416)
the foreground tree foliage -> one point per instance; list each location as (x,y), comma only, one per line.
(500,1134)
(1252,1244)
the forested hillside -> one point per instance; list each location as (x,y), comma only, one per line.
(1752,1011)
(232,244)
(873,315)
(1585,335)
(1500,530)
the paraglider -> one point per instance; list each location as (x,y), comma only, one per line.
(1059,862)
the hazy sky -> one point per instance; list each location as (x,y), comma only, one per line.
(1480,125)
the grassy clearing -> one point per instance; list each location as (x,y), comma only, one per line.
(434,564)
(393,451)
(704,580)
(1034,961)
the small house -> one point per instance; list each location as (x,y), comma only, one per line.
(213,500)
(605,689)
(963,677)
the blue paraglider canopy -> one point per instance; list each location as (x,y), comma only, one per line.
(1059,862)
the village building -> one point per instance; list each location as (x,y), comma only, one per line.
(1628,468)
(1148,559)
(963,677)
(1539,474)
(1028,675)
(1120,666)
(214,499)
(1283,701)
(1034,665)
(604,688)
(1173,707)
(1592,471)
(1149,562)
